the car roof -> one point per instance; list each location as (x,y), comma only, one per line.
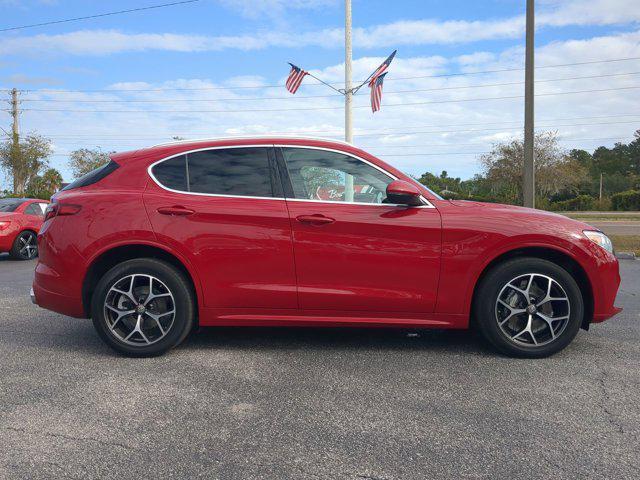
(183,146)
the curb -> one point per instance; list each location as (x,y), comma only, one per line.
(626,255)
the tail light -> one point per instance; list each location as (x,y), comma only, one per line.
(59,209)
(4,225)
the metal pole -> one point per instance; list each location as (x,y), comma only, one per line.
(348,95)
(528,189)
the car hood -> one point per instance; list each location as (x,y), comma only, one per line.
(519,213)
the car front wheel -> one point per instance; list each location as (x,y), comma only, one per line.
(528,307)
(143,307)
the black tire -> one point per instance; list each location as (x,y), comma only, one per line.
(488,312)
(19,249)
(182,300)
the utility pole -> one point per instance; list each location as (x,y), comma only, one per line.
(15,144)
(528,189)
(15,113)
(601,187)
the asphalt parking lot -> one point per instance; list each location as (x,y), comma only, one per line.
(311,403)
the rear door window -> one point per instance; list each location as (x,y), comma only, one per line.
(232,171)
(33,209)
(225,171)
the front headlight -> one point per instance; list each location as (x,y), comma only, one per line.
(599,238)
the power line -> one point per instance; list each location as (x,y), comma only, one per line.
(337,133)
(510,97)
(67,20)
(257,87)
(371,134)
(290,97)
(390,131)
(377,147)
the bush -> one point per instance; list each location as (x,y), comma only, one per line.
(629,200)
(603,205)
(579,203)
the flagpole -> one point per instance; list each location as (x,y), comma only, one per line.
(348,93)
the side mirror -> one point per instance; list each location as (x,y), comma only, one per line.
(403,193)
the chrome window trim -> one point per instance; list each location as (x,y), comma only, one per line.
(157,182)
(427,203)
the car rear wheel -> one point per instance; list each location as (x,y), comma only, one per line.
(25,246)
(143,307)
(528,307)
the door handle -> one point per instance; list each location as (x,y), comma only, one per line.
(176,211)
(315,219)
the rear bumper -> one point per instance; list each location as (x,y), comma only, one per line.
(6,241)
(69,306)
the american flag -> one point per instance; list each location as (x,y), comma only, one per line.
(376,91)
(295,78)
(382,68)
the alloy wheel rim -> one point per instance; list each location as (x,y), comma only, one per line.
(139,309)
(28,245)
(532,310)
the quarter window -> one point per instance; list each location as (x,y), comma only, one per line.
(334,177)
(172,173)
(231,171)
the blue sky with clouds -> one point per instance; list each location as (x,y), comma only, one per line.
(212,47)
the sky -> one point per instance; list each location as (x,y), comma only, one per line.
(217,68)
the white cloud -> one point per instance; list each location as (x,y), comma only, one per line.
(396,133)
(595,12)
(399,33)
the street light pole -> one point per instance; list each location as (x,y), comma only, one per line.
(528,189)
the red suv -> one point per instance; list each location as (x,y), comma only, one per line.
(281,231)
(20,220)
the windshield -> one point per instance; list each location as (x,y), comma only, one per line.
(10,204)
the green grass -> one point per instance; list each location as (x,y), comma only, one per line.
(626,243)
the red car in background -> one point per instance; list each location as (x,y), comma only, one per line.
(20,222)
(281,231)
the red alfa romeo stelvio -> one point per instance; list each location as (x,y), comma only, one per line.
(308,232)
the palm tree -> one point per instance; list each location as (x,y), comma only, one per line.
(51,180)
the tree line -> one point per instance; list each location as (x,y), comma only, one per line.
(605,179)
(26,165)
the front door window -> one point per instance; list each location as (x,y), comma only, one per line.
(334,177)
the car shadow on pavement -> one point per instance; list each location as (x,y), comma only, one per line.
(346,338)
